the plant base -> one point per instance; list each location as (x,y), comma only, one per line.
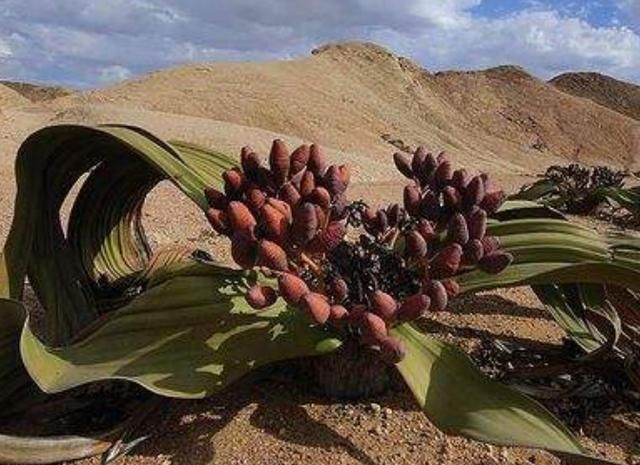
(352,372)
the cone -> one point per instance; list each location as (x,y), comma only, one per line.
(339,207)
(415,245)
(328,239)
(394,215)
(477,224)
(255,199)
(384,305)
(369,216)
(322,216)
(292,288)
(307,184)
(403,164)
(317,163)
(495,262)
(273,224)
(282,206)
(344,171)
(414,307)
(265,181)
(493,201)
(250,162)
(382,221)
(316,306)
(443,174)
(447,262)
(417,162)
(438,295)
(412,198)
(296,179)
(473,252)
(374,328)
(299,159)
(219,221)
(425,228)
(451,198)
(305,224)
(338,313)
(392,350)
(320,196)
(260,297)
(460,179)
(333,181)
(458,231)
(272,256)
(240,217)
(430,164)
(279,162)
(243,250)
(429,206)
(215,198)
(288,193)
(234,182)
(474,193)
(490,244)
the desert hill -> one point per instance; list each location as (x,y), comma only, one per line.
(9,98)
(36,92)
(612,93)
(351,95)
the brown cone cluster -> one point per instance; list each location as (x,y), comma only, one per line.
(289,213)
(279,209)
(442,227)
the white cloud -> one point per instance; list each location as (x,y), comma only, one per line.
(113,73)
(5,50)
(68,40)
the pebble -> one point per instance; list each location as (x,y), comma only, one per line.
(375,408)
(386,412)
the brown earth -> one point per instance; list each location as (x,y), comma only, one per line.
(621,96)
(346,97)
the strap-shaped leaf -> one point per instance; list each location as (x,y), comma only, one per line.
(459,399)
(12,375)
(106,240)
(188,336)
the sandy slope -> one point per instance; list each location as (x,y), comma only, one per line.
(623,97)
(347,96)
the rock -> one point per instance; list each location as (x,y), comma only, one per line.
(386,412)
(375,408)
(377,430)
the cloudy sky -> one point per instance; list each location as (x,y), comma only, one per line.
(85,43)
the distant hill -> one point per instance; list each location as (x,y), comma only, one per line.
(35,92)
(9,98)
(612,93)
(360,98)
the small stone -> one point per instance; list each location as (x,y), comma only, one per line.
(377,430)
(375,408)
(386,412)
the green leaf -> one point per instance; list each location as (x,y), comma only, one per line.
(459,399)
(188,336)
(12,376)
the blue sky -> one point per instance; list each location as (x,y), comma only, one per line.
(88,43)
